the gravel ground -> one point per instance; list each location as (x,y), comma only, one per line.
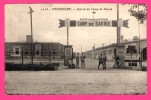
(77,81)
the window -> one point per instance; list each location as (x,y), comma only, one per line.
(16,51)
(44,51)
(26,51)
(54,52)
(8,51)
(37,52)
(144,54)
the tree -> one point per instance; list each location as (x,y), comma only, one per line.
(139,14)
(125,40)
(135,38)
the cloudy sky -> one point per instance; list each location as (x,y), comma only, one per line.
(46,23)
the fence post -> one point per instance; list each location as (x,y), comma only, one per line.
(49,57)
(22,56)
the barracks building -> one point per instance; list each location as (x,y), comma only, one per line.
(41,50)
(109,52)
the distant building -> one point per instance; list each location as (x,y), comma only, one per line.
(41,50)
(109,51)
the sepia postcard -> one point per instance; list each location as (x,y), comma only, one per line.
(94,48)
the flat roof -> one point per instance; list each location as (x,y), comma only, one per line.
(114,44)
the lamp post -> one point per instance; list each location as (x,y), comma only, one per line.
(31,11)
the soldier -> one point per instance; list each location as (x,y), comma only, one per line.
(104,61)
(71,64)
(101,60)
(77,60)
(83,60)
(117,61)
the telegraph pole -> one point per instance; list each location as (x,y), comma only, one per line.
(67,35)
(81,48)
(67,24)
(139,41)
(31,11)
(94,50)
(118,27)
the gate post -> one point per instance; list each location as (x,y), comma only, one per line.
(120,51)
(68,54)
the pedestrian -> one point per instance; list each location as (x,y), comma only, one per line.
(77,60)
(104,61)
(117,61)
(100,60)
(71,64)
(82,60)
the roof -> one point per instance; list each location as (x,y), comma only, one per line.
(33,42)
(133,41)
(116,44)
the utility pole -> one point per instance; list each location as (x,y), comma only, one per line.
(118,27)
(67,24)
(22,54)
(81,48)
(67,35)
(31,11)
(94,51)
(140,58)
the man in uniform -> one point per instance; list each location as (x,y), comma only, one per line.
(101,60)
(82,60)
(104,61)
(77,60)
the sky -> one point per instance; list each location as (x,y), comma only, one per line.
(46,22)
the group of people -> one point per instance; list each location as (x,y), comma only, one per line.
(82,58)
(101,59)
(78,59)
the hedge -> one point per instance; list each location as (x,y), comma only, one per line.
(30,67)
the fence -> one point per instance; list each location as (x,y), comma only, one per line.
(25,57)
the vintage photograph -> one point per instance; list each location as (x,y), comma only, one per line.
(94,48)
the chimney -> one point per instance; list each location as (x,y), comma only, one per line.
(28,38)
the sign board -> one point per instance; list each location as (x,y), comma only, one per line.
(93,23)
(131,49)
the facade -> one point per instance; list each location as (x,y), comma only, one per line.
(14,50)
(109,51)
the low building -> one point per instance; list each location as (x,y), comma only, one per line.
(40,50)
(140,46)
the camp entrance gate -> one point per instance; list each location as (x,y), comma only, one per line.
(119,50)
